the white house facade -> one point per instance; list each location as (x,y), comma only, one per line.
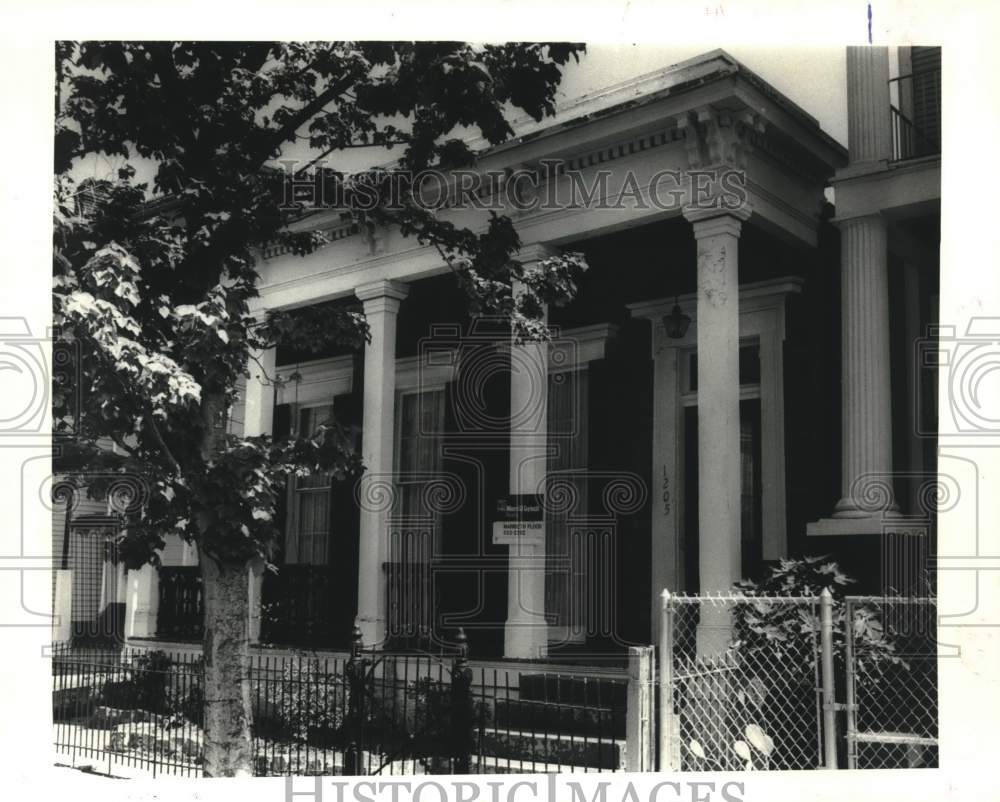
(788,417)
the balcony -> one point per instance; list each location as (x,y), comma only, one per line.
(302,606)
(915,110)
(180,613)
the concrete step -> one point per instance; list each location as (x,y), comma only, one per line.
(529,715)
(550,748)
(489,764)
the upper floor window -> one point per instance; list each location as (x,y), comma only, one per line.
(307,537)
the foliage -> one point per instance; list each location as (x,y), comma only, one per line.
(307,700)
(787,630)
(153,282)
(144,686)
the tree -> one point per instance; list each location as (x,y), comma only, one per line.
(152,282)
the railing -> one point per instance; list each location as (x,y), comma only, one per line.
(915,109)
(375,712)
(299,607)
(180,615)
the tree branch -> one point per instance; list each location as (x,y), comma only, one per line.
(162,443)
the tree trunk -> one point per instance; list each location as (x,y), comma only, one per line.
(228,715)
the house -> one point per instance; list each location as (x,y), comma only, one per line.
(734,383)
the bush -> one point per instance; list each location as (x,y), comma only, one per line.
(786,629)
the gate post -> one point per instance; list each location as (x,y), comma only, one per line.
(356,670)
(669,728)
(461,708)
(829,701)
(639,710)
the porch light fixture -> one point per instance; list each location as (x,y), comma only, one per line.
(676,323)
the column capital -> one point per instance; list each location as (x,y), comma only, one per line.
(535,252)
(709,222)
(876,218)
(384,288)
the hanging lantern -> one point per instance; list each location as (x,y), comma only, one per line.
(676,323)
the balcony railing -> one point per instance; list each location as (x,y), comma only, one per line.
(180,613)
(300,606)
(915,107)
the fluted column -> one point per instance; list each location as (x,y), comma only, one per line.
(526,630)
(869,128)
(381,301)
(865,388)
(718,342)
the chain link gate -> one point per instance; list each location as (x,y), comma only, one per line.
(753,682)
(891,693)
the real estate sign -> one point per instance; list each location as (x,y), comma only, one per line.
(520,519)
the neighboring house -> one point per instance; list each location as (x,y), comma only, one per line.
(729,387)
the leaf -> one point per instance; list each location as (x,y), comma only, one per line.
(696,750)
(759,739)
(742,749)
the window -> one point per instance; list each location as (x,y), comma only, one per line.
(421,421)
(307,540)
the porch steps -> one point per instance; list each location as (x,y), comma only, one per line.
(572,689)
(539,716)
(557,721)
(502,765)
(520,749)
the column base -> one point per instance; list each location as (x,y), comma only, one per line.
(856,522)
(62,608)
(373,631)
(526,640)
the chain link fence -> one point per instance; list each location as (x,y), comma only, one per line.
(743,683)
(891,693)
(756,682)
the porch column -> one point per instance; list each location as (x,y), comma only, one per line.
(526,630)
(258,404)
(62,606)
(718,339)
(381,301)
(143,602)
(866,424)
(258,418)
(866,435)
(869,127)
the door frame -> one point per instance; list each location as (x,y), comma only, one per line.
(762,317)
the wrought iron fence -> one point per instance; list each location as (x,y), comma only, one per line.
(373,712)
